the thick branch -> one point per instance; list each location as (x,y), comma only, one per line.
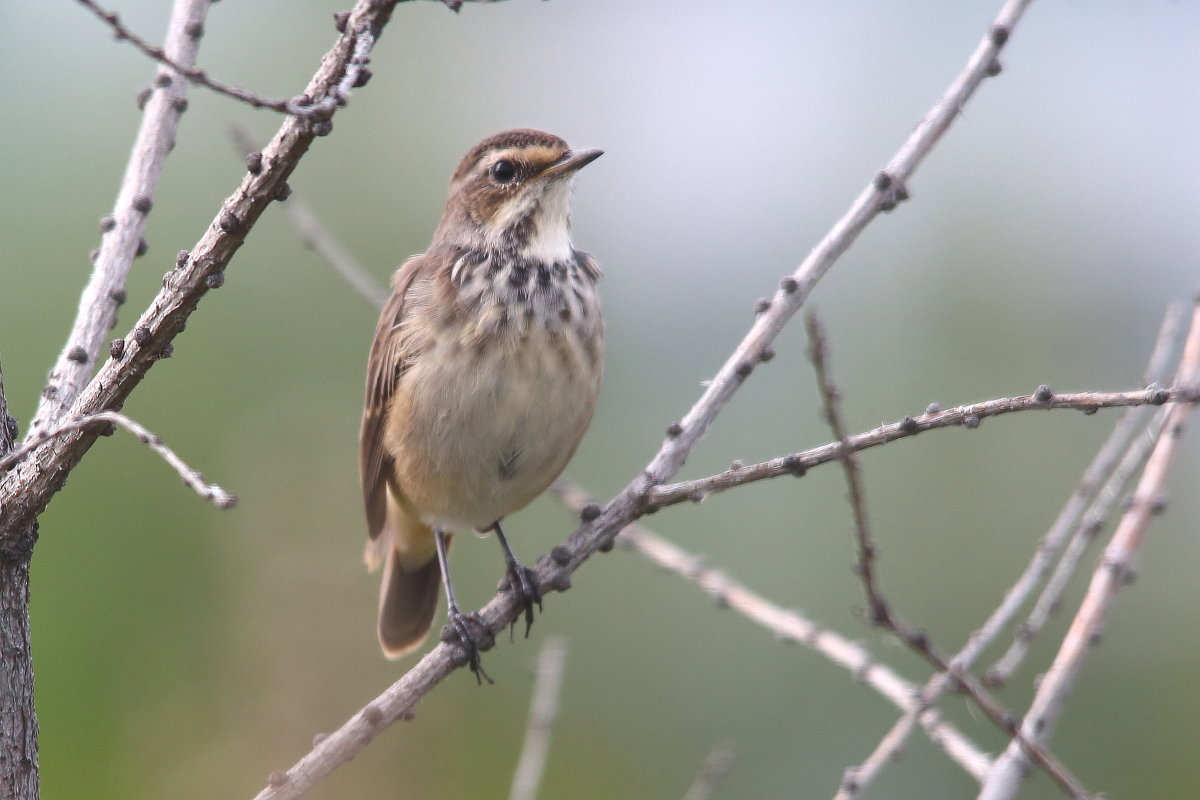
(19,778)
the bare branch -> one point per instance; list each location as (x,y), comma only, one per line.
(789,625)
(861,776)
(543,708)
(818,350)
(1111,469)
(106,421)
(122,232)
(1082,536)
(301,106)
(314,235)
(184,68)
(879,612)
(968,416)
(1113,572)
(712,773)
(27,488)
(886,189)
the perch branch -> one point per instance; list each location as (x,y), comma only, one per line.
(109,419)
(789,626)
(122,232)
(879,611)
(543,708)
(1113,572)
(1102,465)
(27,488)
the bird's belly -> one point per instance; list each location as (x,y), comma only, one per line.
(476,434)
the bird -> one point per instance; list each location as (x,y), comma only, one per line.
(482,378)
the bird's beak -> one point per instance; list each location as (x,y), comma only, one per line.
(570,163)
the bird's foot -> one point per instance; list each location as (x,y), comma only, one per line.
(472,641)
(524,582)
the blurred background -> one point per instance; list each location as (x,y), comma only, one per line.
(186,652)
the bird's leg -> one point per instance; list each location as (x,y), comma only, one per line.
(520,579)
(458,620)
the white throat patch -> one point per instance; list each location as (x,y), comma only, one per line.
(550,234)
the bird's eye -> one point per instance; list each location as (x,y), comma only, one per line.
(503,171)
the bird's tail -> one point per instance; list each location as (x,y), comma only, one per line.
(408,598)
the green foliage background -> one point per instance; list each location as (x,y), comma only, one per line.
(183,652)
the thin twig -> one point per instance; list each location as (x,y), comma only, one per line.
(185,68)
(302,106)
(1113,572)
(967,416)
(861,776)
(712,773)
(315,235)
(789,625)
(818,351)
(108,419)
(1098,481)
(543,708)
(879,611)
(1084,534)
(122,231)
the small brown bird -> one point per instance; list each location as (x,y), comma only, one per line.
(482,378)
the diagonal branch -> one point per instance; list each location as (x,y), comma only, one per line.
(314,235)
(1113,572)
(543,708)
(185,68)
(1083,534)
(883,193)
(789,625)
(105,422)
(122,232)
(712,773)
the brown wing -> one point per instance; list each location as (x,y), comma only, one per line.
(385,368)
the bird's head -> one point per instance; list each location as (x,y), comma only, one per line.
(512,191)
